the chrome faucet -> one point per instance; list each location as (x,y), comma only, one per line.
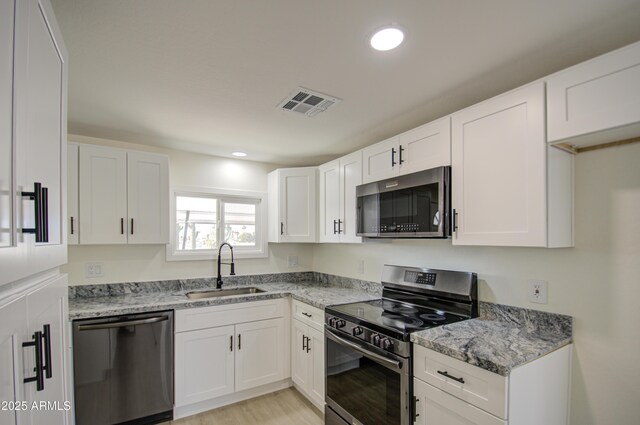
(233,270)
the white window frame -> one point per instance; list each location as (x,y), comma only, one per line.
(228,195)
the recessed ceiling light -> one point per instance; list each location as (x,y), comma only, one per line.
(238,153)
(387,38)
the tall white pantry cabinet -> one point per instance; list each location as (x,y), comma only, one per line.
(33,293)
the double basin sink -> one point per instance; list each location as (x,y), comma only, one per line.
(215,293)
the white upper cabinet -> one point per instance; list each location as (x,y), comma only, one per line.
(123,196)
(148,198)
(380,161)
(337,199)
(425,147)
(596,101)
(73,208)
(422,148)
(103,195)
(329,200)
(33,119)
(500,174)
(292,205)
(6,123)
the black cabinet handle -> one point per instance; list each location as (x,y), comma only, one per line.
(308,346)
(446,374)
(72,225)
(304,313)
(393,157)
(335,222)
(39,378)
(40,196)
(455,220)
(282,228)
(339,227)
(304,342)
(132,226)
(239,341)
(231,343)
(415,408)
(47,351)
(400,155)
(122,226)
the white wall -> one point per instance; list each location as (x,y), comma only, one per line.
(123,263)
(597,282)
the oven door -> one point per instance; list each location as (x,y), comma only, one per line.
(365,385)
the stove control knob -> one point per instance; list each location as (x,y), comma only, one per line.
(357,331)
(375,339)
(340,324)
(386,343)
(332,322)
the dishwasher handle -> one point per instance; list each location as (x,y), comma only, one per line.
(124,324)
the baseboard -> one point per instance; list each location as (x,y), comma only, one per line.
(203,406)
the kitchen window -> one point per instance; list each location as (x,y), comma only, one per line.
(202,219)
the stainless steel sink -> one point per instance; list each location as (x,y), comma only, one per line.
(214,293)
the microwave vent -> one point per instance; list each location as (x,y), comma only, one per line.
(307,102)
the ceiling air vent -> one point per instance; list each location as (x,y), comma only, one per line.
(307,102)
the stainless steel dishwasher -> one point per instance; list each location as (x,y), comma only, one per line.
(123,369)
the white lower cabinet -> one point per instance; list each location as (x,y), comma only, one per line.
(40,313)
(451,392)
(223,353)
(307,353)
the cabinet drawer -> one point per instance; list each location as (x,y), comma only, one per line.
(476,386)
(434,406)
(229,314)
(308,314)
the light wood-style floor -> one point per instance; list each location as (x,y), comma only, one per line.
(286,407)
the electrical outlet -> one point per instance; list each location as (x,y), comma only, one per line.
(92,270)
(292,261)
(361,267)
(538,291)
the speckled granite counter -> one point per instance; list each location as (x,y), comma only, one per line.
(311,292)
(501,339)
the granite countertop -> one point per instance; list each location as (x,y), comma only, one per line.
(316,294)
(501,338)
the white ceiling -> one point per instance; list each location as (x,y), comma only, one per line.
(206,75)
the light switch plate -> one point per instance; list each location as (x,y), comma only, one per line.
(292,261)
(92,270)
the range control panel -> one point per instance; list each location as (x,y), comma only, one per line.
(422,278)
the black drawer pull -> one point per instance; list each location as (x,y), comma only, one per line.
(282,228)
(47,351)
(39,378)
(307,314)
(239,342)
(72,225)
(132,226)
(122,226)
(446,374)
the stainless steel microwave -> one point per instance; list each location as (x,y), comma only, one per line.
(416,205)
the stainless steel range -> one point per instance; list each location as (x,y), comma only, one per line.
(368,352)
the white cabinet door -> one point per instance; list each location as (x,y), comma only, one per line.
(315,341)
(350,177)
(148,198)
(299,357)
(262,353)
(6,123)
(13,326)
(204,364)
(425,147)
(596,101)
(499,170)
(435,407)
(292,205)
(103,195)
(72,194)
(329,200)
(380,161)
(40,86)
(48,307)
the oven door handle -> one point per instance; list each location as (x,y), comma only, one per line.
(393,363)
